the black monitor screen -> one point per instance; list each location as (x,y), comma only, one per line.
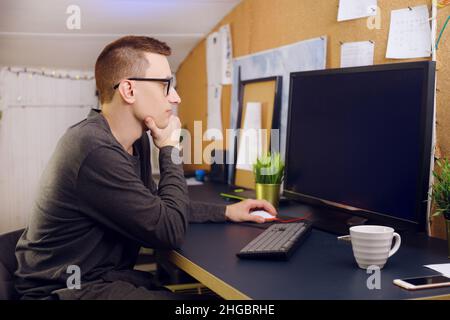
(361,137)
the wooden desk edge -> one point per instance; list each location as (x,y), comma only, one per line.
(441,297)
(212,282)
(225,290)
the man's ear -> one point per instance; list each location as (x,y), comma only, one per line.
(126,90)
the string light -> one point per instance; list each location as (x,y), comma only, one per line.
(52,74)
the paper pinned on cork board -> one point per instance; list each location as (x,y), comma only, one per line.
(227,54)
(409,33)
(357,54)
(356,9)
(214,115)
(213,65)
(219,57)
(250,137)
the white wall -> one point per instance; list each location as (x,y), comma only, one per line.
(36,111)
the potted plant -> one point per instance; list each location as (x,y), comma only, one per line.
(441,194)
(269,173)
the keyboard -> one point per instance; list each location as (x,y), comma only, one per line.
(277,242)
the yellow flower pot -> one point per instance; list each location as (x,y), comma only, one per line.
(269,192)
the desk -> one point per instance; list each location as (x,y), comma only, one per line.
(321,268)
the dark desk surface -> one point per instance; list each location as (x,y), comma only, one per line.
(321,268)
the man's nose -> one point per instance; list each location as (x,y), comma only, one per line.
(174,98)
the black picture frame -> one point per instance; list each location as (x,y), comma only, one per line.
(276,116)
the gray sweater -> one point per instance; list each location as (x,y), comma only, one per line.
(97,205)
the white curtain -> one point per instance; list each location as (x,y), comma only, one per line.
(36,111)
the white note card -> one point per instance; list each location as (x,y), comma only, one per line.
(192,182)
(409,34)
(355,9)
(356,54)
(250,137)
(443,268)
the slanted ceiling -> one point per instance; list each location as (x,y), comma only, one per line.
(34,33)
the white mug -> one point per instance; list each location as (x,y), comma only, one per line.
(372,245)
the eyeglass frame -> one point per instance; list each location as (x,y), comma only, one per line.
(166,80)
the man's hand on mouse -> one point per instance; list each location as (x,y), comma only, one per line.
(168,136)
(240,212)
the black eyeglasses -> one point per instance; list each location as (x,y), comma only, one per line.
(168,82)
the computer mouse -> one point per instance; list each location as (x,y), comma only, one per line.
(263,214)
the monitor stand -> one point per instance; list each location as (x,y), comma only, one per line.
(334,220)
(338,221)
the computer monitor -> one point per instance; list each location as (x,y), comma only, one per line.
(360,139)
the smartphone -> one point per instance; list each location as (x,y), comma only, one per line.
(423,282)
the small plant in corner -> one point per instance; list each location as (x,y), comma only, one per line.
(441,193)
(441,189)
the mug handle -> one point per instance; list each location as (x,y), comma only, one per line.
(398,241)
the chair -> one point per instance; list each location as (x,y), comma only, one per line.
(8,264)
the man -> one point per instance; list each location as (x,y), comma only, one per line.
(97,202)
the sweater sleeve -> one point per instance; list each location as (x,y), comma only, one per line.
(111,193)
(206,212)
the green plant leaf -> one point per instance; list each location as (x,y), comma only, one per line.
(440,191)
(269,169)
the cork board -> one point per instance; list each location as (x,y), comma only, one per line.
(258,25)
(263,92)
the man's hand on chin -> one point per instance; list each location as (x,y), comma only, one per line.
(240,212)
(168,136)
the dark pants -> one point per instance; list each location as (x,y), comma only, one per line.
(123,285)
(119,290)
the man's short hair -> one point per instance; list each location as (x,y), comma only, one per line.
(122,59)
